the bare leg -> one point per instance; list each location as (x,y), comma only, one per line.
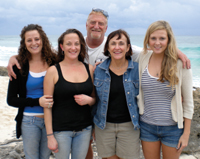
(90,151)
(113,157)
(170,152)
(151,150)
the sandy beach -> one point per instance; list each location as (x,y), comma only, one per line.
(8,113)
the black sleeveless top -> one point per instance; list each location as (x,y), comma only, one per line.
(117,107)
(67,115)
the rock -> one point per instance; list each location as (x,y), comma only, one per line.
(194,141)
(197,155)
(4,151)
(12,149)
(187,157)
(19,148)
(3,71)
(14,155)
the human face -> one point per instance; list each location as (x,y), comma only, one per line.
(71,46)
(33,42)
(96,26)
(158,41)
(118,47)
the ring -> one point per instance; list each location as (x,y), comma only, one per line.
(49,106)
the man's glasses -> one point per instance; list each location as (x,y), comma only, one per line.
(102,11)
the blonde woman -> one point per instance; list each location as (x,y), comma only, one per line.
(164,118)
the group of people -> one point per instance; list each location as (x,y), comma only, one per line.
(132,95)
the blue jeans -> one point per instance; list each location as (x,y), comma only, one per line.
(75,142)
(34,138)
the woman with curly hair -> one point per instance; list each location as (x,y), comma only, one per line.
(69,122)
(164,118)
(35,55)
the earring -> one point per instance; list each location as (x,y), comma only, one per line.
(63,52)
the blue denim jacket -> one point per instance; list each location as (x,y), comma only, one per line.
(102,81)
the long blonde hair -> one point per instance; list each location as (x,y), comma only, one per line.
(169,63)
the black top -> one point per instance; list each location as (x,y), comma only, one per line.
(117,107)
(16,95)
(67,115)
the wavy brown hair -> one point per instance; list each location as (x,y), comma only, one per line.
(169,63)
(48,53)
(83,52)
(118,33)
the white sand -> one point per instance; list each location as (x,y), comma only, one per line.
(7,113)
(184,156)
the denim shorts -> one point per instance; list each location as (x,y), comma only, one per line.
(168,135)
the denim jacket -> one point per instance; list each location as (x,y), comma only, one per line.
(102,81)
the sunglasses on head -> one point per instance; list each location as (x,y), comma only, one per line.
(102,11)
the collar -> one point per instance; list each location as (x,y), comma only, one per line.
(105,65)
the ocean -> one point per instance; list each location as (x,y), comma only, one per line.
(189,45)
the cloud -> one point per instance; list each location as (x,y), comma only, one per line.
(132,15)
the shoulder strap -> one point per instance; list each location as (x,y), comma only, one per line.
(87,68)
(59,70)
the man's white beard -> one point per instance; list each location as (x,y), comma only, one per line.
(95,36)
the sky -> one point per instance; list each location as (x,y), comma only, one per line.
(134,16)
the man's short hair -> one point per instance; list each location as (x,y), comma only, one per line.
(99,11)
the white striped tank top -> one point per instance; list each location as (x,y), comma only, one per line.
(157,101)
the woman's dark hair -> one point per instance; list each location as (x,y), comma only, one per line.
(48,53)
(83,52)
(118,33)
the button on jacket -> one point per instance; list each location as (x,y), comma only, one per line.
(102,81)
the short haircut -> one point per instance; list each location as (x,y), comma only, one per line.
(118,33)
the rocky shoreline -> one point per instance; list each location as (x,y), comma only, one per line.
(3,71)
(12,148)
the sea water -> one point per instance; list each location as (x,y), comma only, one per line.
(189,45)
